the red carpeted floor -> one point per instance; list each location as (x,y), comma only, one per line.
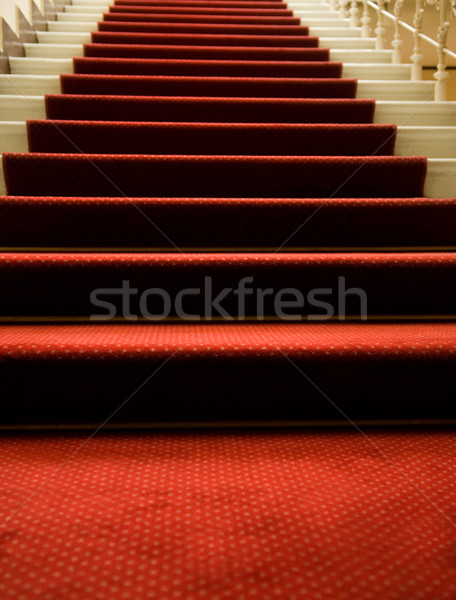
(229,516)
(199,147)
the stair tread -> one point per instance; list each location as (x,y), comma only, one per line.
(238,176)
(329,341)
(203,108)
(52,222)
(211,138)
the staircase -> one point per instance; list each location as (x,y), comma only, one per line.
(227,214)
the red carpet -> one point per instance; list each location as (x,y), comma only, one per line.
(210,139)
(206,109)
(205,28)
(395,283)
(192,372)
(205,39)
(208,86)
(227,223)
(174,17)
(221,52)
(268,516)
(207,68)
(203,148)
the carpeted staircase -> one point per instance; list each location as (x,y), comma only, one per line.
(209,228)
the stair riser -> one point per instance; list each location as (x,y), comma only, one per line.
(76,223)
(271,387)
(162,286)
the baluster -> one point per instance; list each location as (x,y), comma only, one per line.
(354,11)
(365,21)
(343,8)
(380,29)
(441,75)
(334,5)
(397,42)
(417,57)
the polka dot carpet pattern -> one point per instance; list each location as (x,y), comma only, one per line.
(225,68)
(98,137)
(204,39)
(143,51)
(246,515)
(392,341)
(254,87)
(56,222)
(151,16)
(42,174)
(204,109)
(229,516)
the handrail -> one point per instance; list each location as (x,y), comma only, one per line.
(440,44)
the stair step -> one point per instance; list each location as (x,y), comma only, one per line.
(430,141)
(29,85)
(396,90)
(99,365)
(181,109)
(86,8)
(208,176)
(313,68)
(21,108)
(358,44)
(56,37)
(131,138)
(213,86)
(335,32)
(40,66)
(364,224)
(60,51)
(57,66)
(438,114)
(364,56)
(105,3)
(98,137)
(377,71)
(441,178)
(440,182)
(175,17)
(80,284)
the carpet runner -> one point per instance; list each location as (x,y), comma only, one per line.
(181,177)
(183,151)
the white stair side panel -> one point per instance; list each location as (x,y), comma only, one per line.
(21,108)
(317,13)
(92,2)
(437,114)
(87,8)
(55,37)
(80,17)
(433,142)
(29,85)
(335,22)
(396,90)
(13,137)
(357,44)
(40,66)
(441,178)
(53,50)
(377,71)
(362,56)
(311,5)
(78,27)
(334,32)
